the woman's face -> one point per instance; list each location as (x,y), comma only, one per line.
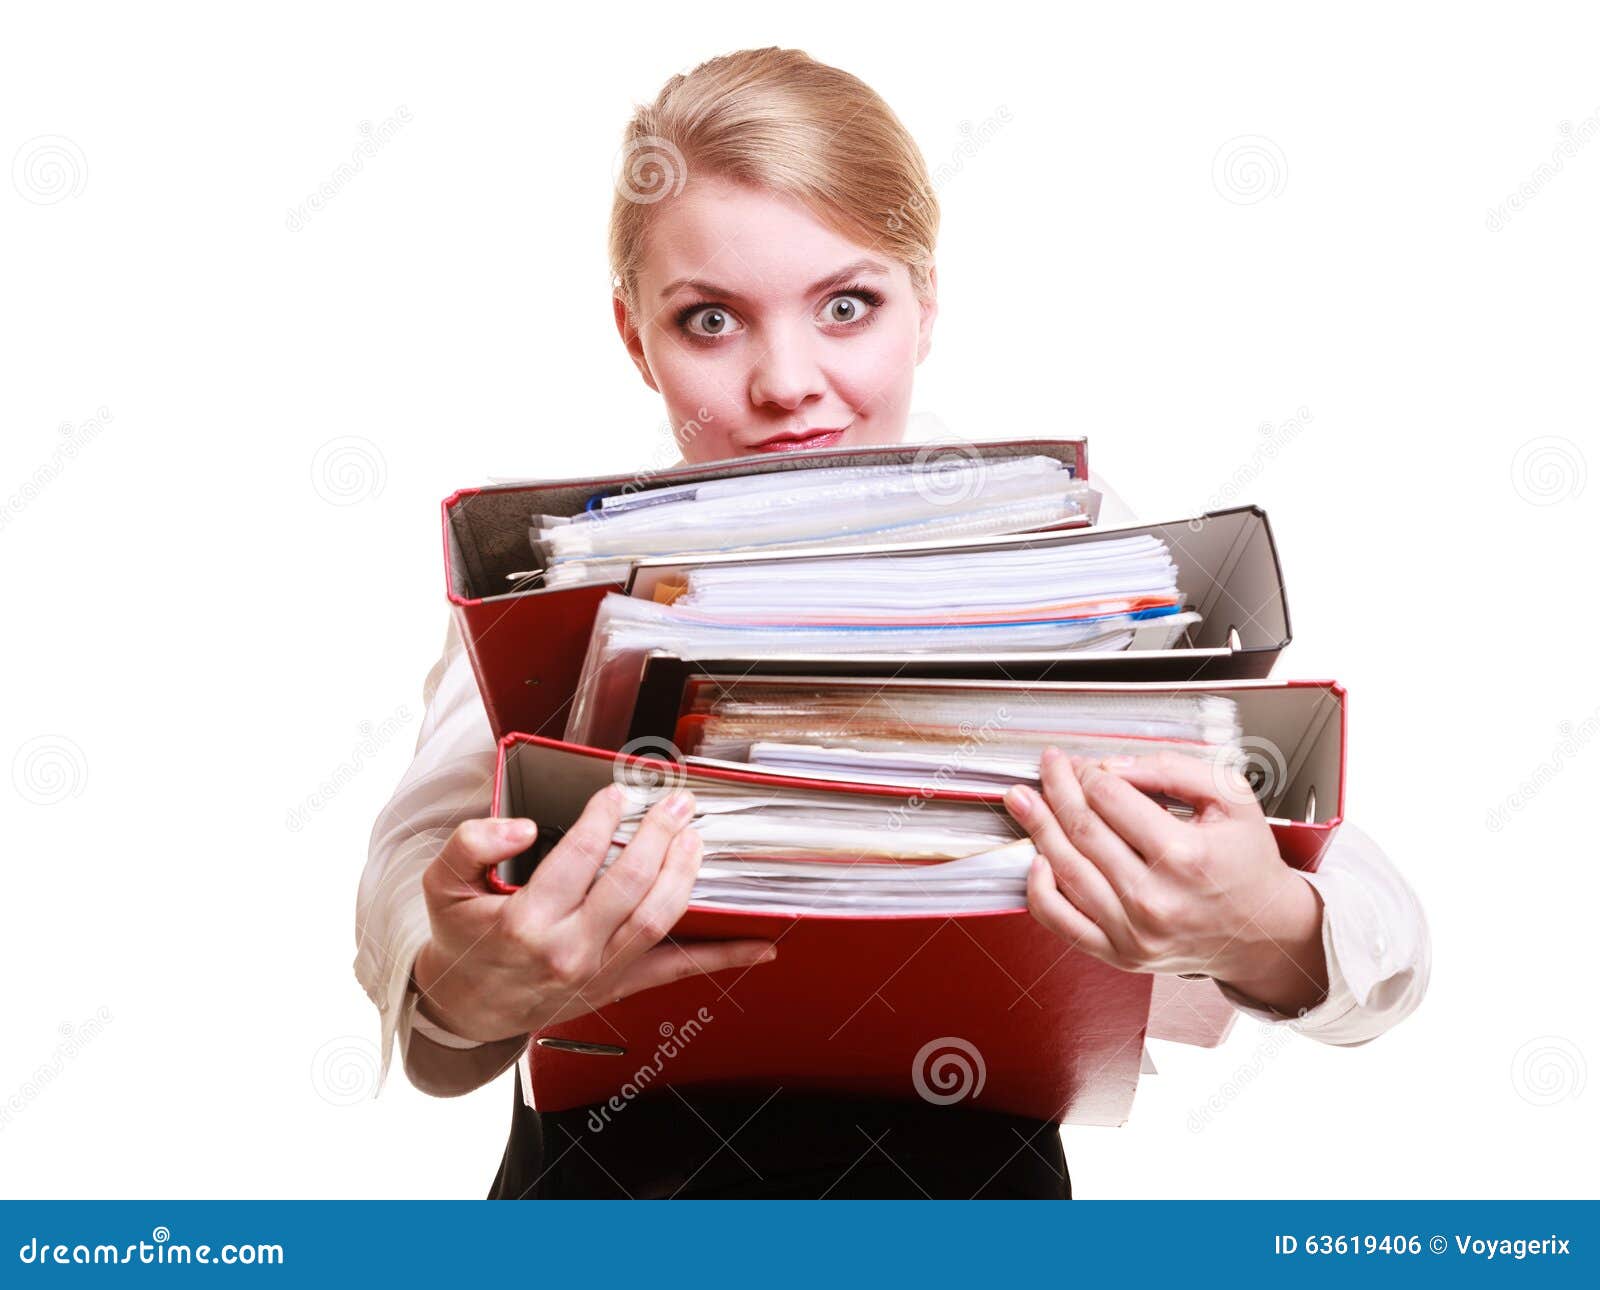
(766,331)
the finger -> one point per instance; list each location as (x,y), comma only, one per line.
(1061,916)
(1216,785)
(675,961)
(1083,884)
(562,877)
(461,869)
(628,880)
(1096,840)
(658,913)
(1150,829)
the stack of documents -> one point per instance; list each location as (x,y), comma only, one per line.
(779,850)
(956,735)
(1049,598)
(819,506)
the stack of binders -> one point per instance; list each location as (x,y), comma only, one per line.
(848,656)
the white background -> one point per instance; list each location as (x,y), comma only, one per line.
(209,592)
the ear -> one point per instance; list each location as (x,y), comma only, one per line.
(631,341)
(930,311)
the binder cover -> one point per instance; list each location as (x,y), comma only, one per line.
(988,1010)
(527,643)
(1228,570)
(1294,733)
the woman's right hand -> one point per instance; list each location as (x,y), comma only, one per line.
(497,966)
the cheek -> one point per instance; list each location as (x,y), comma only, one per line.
(702,397)
(874,372)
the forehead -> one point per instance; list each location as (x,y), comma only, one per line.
(743,238)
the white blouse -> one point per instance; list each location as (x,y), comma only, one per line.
(1373,930)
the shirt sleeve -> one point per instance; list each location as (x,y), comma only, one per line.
(1376,941)
(450,779)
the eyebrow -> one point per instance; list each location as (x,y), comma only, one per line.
(837,278)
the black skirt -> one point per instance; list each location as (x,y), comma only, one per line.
(777,1146)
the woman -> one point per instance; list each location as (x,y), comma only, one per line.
(772,243)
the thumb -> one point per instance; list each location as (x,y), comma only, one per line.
(1201,783)
(464,867)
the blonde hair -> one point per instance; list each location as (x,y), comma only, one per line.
(778,120)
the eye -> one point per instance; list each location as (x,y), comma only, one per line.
(850,307)
(709,320)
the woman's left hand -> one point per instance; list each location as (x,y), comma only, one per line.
(1134,885)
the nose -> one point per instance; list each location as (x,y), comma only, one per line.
(787,374)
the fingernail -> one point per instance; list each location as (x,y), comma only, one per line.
(517,831)
(680,806)
(1115,763)
(1020,798)
(768,954)
(1050,753)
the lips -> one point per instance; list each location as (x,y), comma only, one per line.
(805,441)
